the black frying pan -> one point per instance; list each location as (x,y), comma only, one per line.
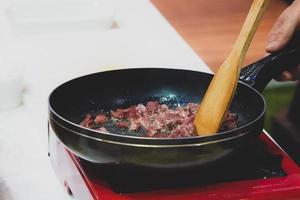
(70,102)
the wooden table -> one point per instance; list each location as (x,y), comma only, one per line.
(211,27)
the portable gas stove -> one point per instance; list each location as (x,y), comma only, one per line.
(268,173)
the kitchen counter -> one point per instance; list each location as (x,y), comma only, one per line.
(140,37)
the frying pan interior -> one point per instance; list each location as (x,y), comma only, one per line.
(121,88)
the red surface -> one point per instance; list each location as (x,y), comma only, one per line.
(83,187)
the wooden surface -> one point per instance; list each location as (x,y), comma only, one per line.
(222,88)
(211,26)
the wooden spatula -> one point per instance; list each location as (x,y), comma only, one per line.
(223,85)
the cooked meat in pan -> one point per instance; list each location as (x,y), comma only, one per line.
(157,119)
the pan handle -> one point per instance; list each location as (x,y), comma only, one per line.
(260,73)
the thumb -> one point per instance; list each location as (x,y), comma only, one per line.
(282,30)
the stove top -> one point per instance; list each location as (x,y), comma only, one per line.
(263,172)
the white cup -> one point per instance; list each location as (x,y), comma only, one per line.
(11,86)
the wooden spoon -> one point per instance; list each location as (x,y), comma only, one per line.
(223,85)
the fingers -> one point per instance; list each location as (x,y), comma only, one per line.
(283,30)
(295,74)
(281,33)
(290,75)
(285,76)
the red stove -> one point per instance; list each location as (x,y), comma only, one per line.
(271,175)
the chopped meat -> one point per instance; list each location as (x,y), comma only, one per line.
(229,122)
(152,106)
(119,113)
(192,107)
(140,110)
(130,112)
(183,130)
(88,121)
(100,119)
(122,124)
(134,125)
(158,120)
(102,129)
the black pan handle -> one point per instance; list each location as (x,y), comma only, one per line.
(260,73)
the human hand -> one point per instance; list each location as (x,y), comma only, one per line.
(282,31)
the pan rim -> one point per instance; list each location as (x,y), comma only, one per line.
(153,145)
(184,140)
